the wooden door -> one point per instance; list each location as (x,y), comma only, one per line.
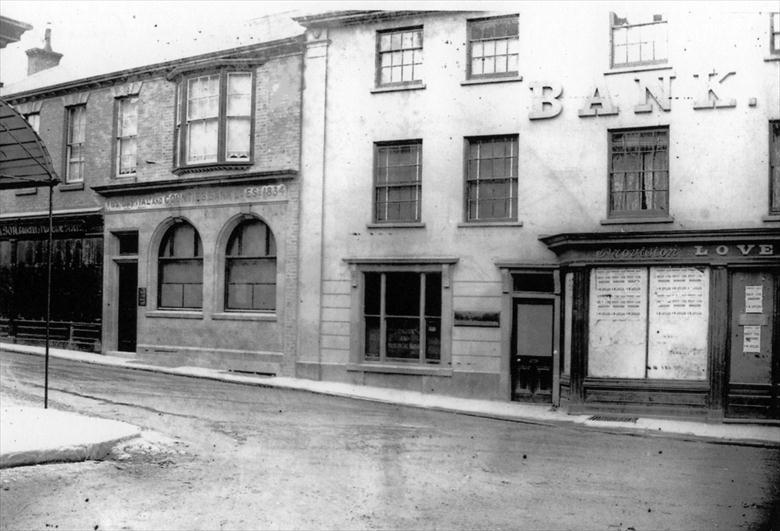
(532,352)
(127,307)
(753,364)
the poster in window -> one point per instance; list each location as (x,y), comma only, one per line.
(754,299)
(567,321)
(751,342)
(618,320)
(677,324)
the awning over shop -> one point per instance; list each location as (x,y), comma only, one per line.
(24,160)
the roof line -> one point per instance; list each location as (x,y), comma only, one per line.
(153,68)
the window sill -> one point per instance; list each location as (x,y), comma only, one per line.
(411,225)
(385,368)
(472,224)
(636,69)
(174,314)
(489,80)
(212,166)
(27,191)
(637,220)
(772,58)
(243,316)
(771,217)
(71,187)
(379,90)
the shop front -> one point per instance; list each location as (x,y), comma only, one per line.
(203,271)
(77,265)
(680,322)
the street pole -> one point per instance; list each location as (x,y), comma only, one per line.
(48,302)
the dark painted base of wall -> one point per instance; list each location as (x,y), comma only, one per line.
(457,384)
(269,363)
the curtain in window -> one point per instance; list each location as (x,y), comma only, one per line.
(250,268)
(202,119)
(239,112)
(181,268)
(127,132)
(639,180)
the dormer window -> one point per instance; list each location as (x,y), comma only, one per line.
(214,119)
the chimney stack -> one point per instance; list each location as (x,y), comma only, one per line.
(42,58)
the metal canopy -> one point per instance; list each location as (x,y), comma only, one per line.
(25,163)
(24,160)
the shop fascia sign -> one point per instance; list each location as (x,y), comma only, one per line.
(546,103)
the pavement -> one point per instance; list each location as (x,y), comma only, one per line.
(30,435)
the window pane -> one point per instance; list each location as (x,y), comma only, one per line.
(239,94)
(238,133)
(371,294)
(202,141)
(127,155)
(432,339)
(171,295)
(402,294)
(239,296)
(433,294)
(193,295)
(403,338)
(264,297)
(372,337)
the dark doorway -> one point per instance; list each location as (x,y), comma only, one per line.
(532,350)
(127,307)
(754,364)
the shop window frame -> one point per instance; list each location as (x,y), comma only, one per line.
(270,255)
(197,260)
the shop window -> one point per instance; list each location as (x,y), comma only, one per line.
(74,149)
(774,33)
(648,323)
(126,135)
(214,119)
(493,47)
(639,172)
(250,268)
(402,315)
(774,167)
(491,178)
(180,276)
(399,56)
(643,42)
(398,181)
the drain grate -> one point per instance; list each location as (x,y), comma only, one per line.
(613,418)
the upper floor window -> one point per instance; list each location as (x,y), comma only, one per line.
(214,119)
(180,273)
(493,47)
(126,133)
(399,56)
(250,268)
(397,181)
(74,151)
(34,119)
(639,172)
(774,33)
(774,167)
(640,43)
(491,178)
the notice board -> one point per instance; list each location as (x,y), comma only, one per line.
(618,322)
(677,323)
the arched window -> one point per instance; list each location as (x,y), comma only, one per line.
(180,279)
(250,268)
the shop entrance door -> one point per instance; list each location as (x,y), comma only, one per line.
(754,365)
(532,350)
(126,305)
